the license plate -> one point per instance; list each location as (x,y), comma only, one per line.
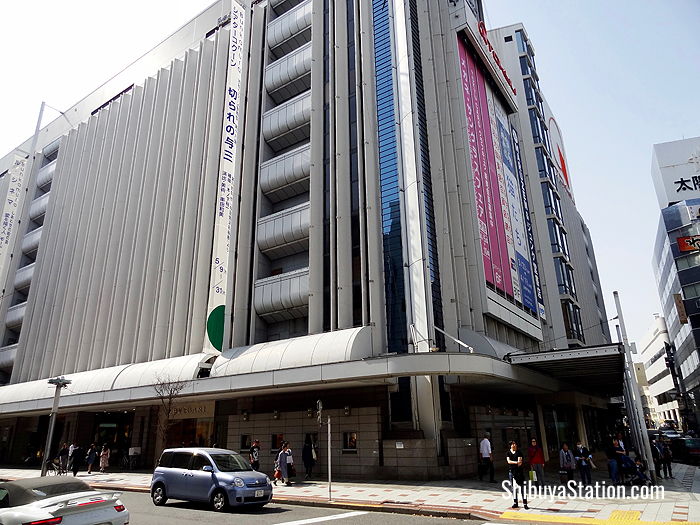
(259,493)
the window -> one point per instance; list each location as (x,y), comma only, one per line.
(349,442)
(246,443)
(166,459)
(276,442)
(688,261)
(691,291)
(199,461)
(508,38)
(181,460)
(520,37)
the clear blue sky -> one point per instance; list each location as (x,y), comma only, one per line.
(619,76)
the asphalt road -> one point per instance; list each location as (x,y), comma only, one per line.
(142,511)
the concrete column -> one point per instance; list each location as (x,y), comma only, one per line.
(581,429)
(316,177)
(343,218)
(543,432)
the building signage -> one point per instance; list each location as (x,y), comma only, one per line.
(11,210)
(528,223)
(200,410)
(689,244)
(477,175)
(485,37)
(226,201)
(680,308)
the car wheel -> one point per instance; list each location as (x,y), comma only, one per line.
(158,495)
(219,500)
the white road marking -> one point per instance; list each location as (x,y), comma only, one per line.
(325,518)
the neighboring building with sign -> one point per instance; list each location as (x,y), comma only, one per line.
(675,170)
(240,219)
(676,261)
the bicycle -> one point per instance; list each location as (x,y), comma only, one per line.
(53,468)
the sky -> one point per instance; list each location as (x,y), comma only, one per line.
(619,77)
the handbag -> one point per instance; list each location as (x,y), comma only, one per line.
(533,475)
(291,471)
(278,474)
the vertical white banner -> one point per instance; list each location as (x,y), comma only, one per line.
(225,202)
(10,213)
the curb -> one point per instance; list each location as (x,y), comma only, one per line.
(395,508)
(419,510)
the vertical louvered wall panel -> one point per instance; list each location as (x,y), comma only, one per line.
(123,270)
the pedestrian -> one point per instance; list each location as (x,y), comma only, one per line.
(63,458)
(104,458)
(567,464)
(283,464)
(486,459)
(308,456)
(91,457)
(614,453)
(656,457)
(621,443)
(583,460)
(514,458)
(77,458)
(535,456)
(254,455)
(666,458)
(70,454)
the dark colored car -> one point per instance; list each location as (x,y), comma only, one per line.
(686,450)
(215,475)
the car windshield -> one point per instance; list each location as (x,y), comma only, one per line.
(230,462)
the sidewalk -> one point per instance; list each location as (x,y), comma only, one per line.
(462,499)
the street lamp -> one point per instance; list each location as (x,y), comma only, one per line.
(59,382)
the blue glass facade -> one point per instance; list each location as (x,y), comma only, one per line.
(389,181)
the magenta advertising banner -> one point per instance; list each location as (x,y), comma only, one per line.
(480,110)
(478,176)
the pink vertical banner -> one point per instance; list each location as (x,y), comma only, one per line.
(499,198)
(479,107)
(478,176)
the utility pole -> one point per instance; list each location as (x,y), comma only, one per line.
(319,417)
(631,380)
(60,382)
(678,383)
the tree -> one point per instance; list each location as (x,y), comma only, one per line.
(166,390)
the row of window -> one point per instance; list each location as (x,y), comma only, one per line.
(565,277)
(572,321)
(557,238)
(690,364)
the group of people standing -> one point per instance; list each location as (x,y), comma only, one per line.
(284,460)
(569,461)
(72,458)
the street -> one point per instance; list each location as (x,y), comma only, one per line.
(143,511)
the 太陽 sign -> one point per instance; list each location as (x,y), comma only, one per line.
(689,244)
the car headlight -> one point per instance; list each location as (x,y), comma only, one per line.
(238,482)
(267,479)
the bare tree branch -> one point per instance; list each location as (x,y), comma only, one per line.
(167,390)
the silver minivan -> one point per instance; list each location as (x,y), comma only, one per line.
(215,475)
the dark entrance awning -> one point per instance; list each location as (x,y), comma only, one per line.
(595,369)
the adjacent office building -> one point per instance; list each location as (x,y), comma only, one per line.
(294,201)
(676,262)
(659,382)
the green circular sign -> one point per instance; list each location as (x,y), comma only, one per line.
(215,327)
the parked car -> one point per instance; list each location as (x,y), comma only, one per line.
(55,500)
(218,476)
(686,450)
